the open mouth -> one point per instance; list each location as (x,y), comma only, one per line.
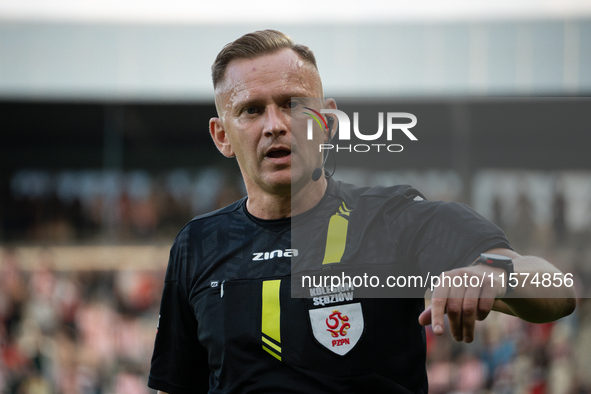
(277,154)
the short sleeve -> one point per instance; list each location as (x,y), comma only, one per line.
(179,362)
(440,236)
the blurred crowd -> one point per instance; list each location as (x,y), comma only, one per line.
(83,332)
(92,331)
(511,356)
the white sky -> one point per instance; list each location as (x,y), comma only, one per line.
(327,11)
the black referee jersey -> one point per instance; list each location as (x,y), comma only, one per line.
(228,322)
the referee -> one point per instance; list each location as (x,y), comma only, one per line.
(228,322)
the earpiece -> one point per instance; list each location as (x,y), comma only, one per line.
(330,121)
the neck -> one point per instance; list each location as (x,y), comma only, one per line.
(269,206)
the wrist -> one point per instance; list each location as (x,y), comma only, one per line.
(499,261)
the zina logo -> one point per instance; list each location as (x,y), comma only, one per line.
(345,130)
(259,256)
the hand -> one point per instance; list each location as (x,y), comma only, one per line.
(463,304)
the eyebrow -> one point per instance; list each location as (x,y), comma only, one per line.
(238,105)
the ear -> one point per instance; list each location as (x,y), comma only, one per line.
(220,137)
(331,104)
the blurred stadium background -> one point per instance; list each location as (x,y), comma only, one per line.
(105,154)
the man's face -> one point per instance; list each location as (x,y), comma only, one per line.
(254,102)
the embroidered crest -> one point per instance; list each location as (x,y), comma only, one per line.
(338,328)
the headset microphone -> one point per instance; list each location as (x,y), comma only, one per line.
(318,171)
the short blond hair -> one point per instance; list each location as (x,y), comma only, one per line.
(255,44)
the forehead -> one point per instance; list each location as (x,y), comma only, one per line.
(282,73)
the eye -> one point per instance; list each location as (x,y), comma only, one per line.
(293,104)
(251,110)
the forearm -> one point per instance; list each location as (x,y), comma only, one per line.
(537,304)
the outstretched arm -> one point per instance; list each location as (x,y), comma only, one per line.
(465,305)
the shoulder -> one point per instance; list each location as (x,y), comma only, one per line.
(210,221)
(447,211)
(198,236)
(446,221)
(229,210)
(354,196)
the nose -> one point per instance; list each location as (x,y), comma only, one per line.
(277,122)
